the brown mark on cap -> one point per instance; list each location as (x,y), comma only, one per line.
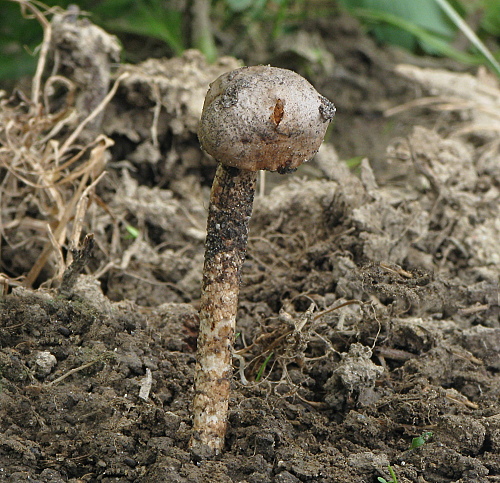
(278,112)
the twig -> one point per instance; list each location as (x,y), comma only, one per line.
(71,139)
(80,211)
(57,250)
(81,259)
(332,309)
(44,50)
(74,371)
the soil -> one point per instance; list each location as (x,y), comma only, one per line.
(369,312)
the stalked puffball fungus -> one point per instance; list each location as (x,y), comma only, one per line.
(253,118)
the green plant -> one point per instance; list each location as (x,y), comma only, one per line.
(276,12)
(398,23)
(415,443)
(149,18)
(132,232)
(470,34)
(354,163)
(421,440)
(20,35)
(180,25)
(250,22)
(263,366)
(431,26)
(393,476)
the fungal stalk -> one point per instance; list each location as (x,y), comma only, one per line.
(253,118)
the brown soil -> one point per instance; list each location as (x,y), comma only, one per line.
(369,310)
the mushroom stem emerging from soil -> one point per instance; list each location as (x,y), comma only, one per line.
(253,118)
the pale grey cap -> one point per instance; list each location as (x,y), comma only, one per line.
(263,117)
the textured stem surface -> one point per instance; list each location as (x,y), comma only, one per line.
(231,202)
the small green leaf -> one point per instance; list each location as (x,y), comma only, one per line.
(421,440)
(151,20)
(133,232)
(355,162)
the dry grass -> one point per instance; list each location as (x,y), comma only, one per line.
(47,177)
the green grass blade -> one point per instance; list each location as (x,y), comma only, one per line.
(393,474)
(438,44)
(262,367)
(469,33)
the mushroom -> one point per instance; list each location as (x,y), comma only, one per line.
(253,118)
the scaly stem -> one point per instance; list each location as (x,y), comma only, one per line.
(231,202)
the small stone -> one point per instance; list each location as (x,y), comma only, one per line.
(130,462)
(64,331)
(286,477)
(44,363)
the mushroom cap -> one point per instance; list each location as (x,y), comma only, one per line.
(263,117)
